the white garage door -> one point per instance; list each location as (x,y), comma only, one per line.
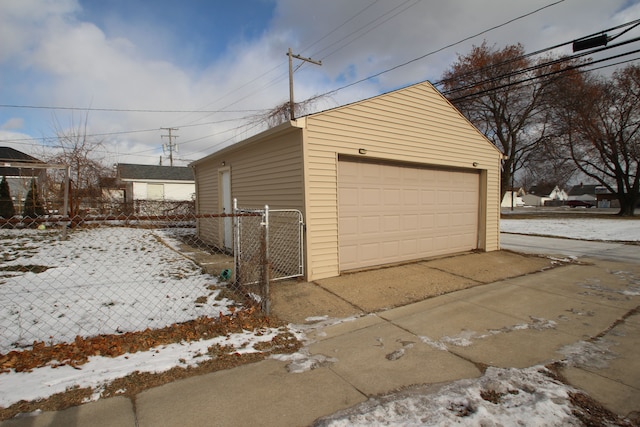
(391,213)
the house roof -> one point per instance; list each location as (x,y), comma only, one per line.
(129,171)
(581,189)
(543,189)
(8,154)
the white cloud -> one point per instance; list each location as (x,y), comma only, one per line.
(52,57)
(13,123)
(23,23)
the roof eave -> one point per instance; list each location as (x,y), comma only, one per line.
(287,126)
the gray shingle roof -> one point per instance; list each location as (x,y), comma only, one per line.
(8,154)
(160,173)
(581,189)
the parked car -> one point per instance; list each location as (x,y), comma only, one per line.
(579,203)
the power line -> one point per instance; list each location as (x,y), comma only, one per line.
(340,26)
(442,48)
(533,78)
(122,110)
(364,26)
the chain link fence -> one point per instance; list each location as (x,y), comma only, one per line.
(92,275)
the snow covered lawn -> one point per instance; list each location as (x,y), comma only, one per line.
(622,229)
(104,280)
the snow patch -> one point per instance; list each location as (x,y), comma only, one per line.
(302,361)
(500,397)
(589,354)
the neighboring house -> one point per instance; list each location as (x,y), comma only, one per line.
(19,178)
(605,199)
(150,182)
(583,192)
(545,194)
(394,178)
(513,198)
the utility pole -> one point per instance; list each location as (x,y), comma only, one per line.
(170,146)
(291,70)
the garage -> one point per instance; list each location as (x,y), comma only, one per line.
(392,212)
(398,177)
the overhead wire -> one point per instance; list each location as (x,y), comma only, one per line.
(537,77)
(415,2)
(120,110)
(443,48)
(275,80)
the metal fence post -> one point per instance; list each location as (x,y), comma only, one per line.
(236,244)
(266,276)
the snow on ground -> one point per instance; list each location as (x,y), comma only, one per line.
(100,281)
(98,372)
(501,397)
(526,396)
(623,230)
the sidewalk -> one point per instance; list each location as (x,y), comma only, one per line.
(535,318)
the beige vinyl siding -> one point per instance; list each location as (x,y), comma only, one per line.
(269,173)
(266,172)
(208,229)
(414,125)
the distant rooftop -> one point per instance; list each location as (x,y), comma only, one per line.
(581,189)
(153,172)
(8,154)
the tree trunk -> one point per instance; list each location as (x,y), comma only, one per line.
(627,204)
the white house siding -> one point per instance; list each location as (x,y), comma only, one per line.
(139,190)
(414,125)
(174,191)
(179,191)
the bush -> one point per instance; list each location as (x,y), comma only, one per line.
(7,210)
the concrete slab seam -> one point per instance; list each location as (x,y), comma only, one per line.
(618,322)
(341,298)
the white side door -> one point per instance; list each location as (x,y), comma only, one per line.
(225,195)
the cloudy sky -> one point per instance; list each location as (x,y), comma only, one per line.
(210,68)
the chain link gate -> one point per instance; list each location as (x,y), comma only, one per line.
(277,254)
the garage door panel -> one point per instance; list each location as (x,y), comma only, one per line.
(369,225)
(390,197)
(390,213)
(392,224)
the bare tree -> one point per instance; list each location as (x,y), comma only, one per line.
(597,120)
(486,85)
(547,164)
(282,113)
(76,148)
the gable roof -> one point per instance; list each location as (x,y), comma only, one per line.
(130,172)
(542,189)
(11,155)
(299,122)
